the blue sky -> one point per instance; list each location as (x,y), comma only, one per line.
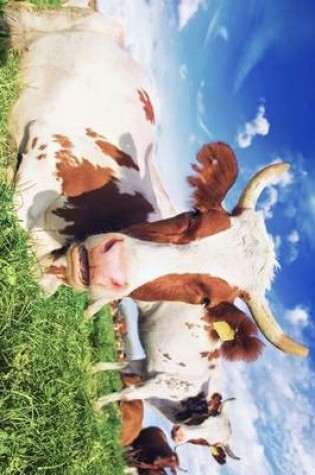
(244,72)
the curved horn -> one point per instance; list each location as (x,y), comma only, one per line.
(230,452)
(254,188)
(271,330)
(226,403)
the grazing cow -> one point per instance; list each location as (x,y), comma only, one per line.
(150,451)
(84,128)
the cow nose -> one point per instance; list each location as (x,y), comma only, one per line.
(108,264)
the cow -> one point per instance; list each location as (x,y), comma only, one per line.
(212,429)
(183,345)
(151,451)
(149,446)
(88,189)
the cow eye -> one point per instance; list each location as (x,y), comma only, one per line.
(195,213)
(205,301)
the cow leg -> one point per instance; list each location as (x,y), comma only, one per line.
(80,4)
(108,366)
(161,385)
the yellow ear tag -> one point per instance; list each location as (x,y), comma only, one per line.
(214,451)
(224,330)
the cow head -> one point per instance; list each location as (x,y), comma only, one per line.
(213,430)
(206,256)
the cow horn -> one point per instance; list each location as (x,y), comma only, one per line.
(271,330)
(230,452)
(265,177)
(226,403)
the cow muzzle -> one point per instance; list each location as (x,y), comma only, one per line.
(100,265)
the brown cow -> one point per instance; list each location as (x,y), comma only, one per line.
(152,452)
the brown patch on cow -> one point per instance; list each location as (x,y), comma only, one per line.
(59,271)
(94,135)
(190,326)
(182,364)
(245,346)
(167,356)
(212,366)
(189,288)
(198,442)
(151,451)
(42,147)
(42,156)
(120,157)
(102,210)
(132,417)
(147,105)
(34,142)
(62,140)
(183,228)
(79,176)
(204,354)
(131,379)
(216,172)
(214,355)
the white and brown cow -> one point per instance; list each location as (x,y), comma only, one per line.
(84,127)
(183,344)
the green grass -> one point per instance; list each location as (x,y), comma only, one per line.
(47,424)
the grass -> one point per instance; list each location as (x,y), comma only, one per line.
(47,424)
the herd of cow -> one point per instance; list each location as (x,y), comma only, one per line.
(89,192)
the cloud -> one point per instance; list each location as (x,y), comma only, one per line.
(223,33)
(270,200)
(298,316)
(293,249)
(258,126)
(183,71)
(215,29)
(201,113)
(186,10)
(293,237)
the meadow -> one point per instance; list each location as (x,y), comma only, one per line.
(47,423)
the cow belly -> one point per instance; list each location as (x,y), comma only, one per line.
(174,339)
(98,89)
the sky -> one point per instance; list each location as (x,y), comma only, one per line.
(244,72)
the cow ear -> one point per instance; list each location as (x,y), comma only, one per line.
(216,171)
(218,454)
(245,346)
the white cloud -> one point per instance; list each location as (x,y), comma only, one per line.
(201,113)
(186,10)
(293,237)
(298,316)
(215,29)
(293,249)
(223,33)
(258,126)
(271,198)
(183,71)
